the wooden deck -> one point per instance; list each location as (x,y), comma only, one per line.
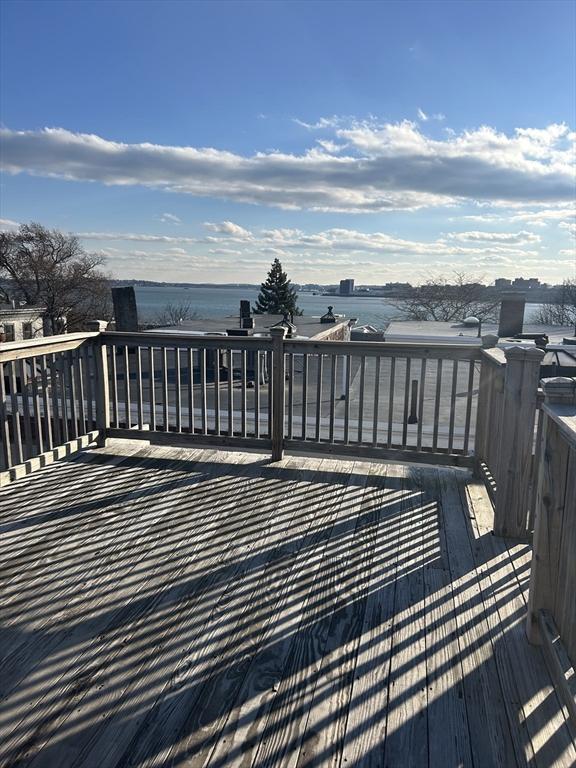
(176,607)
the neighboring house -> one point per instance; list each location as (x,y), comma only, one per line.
(18,323)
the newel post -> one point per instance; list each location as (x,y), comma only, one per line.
(278,382)
(102,393)
(550,498)
(518,415)
(488,342)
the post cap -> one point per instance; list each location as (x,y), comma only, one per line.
(559,389)
(96,325)
(529,354)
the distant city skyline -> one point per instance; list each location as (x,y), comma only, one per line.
(393,141)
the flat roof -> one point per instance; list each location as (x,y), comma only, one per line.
(306,325)
(433,330)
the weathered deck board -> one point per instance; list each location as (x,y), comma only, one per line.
(184,607)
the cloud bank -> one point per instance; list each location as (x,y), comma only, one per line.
(359,167)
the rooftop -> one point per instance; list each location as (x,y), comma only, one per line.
(430,330)
(169,606)
(306,325)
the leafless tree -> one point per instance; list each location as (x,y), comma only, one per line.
(563,310)
(47,268)
(448,300)
(174,314)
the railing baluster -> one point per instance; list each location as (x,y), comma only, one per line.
(127,401)
(376,401)
(217,391)
(46,403)
(231,392)
(139,387)
(63,396)
(290,393)
(391,402)
(152,389)
(56,425)
(6,452)
(319,396)
(348,364)
(437,405)
(24,396)
(332,397)
(114,388)
(453,405)
(86,352)
(203,391)
(16,430)
(361,398)
(257,394)
(270,391)
(165,394)
(422,389)
(191,391)
(37,409)
(406,403)
(243,392)
(304,395)
(71,376)
(80,391)
(178,389)
(469,395)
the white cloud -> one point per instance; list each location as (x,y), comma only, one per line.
(170,218)
(8,224)
(228,228)
(386,167)
(422,115)
(570,226)
(512,238)
(142,238)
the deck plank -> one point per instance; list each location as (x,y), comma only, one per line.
(174,606)
(490,738)
(366,724)
(521,666)
(194,714)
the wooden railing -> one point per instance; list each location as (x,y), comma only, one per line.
(505,447)
(208,389)
(47,397)
(411,401)
(552,596)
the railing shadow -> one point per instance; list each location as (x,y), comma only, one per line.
(245,613)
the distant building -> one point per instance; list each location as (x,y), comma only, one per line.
(523,283)
(502,283)
(19,323)
(347,287)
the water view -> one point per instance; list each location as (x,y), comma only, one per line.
(219,301)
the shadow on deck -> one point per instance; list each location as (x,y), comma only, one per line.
(188,607)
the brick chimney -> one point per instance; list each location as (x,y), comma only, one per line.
(511,313)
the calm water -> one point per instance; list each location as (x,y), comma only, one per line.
(216,301)
(220,302)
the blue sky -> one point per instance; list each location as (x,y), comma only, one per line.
(383,140)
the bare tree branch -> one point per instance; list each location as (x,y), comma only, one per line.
(448,300)
(51,269)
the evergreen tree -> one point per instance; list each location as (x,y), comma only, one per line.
(277,296)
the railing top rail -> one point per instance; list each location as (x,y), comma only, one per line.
(385,349)
(185,341)
(44,345)
(297,346)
